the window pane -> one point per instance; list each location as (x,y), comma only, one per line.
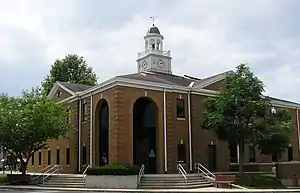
(252,154)
(68,156)
(57,157)
(84,155)
(32,160)
(49,157)
(180,108)
(40,158)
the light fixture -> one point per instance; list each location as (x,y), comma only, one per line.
(273,110)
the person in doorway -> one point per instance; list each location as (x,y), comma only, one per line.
(104,159)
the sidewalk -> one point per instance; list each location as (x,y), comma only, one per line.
(113,190)
(207,190)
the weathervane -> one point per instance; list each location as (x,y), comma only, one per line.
(153,19)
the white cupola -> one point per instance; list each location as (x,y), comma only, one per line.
(154,58)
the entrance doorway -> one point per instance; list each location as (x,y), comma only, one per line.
(144,134)
(102,133)
(212,165)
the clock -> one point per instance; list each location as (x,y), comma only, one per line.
(144,64)
(161,63)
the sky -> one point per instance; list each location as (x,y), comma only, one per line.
(206,37)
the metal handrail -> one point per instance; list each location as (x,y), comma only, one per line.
(56,169)
(182,171)
(141,174)
(84,173)
(205,171)
(40,172)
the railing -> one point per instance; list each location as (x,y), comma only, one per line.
(141,174)
(40,173)
(51,171)
(182,172)
(205,172)
(84,174)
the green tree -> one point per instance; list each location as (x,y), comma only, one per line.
(278,136)
(27,122)
(238,113)
(72,68)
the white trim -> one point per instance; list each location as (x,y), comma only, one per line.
(91,130)
(190,132)
(79,135)
(211,80)
(165,132)
(298,127)
(119,81)
(55,88)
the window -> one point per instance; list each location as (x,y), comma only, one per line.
(49,157)
(84,155)
(68,117)
(58,94)
(40,158)
(84,111)
(290,153)
(68,156)
(181,153)
(252,153)
(233,153)
(274,157)
(32,160)
(57,156)
(180,108)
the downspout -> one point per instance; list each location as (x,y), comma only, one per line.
(79,135)
(190,127)
(298,127)
(91,130)
(165,132)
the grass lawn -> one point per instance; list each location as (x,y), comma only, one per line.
(3,178)
(262,181)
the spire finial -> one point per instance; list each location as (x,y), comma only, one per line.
(153,19)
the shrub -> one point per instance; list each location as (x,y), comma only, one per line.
(113,169)
(3,178)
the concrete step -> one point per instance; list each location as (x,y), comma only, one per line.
(186,186)
(174,183)
(63,185)
(66,180)
(172,179)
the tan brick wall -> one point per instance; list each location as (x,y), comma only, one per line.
(120,101)
(70,140)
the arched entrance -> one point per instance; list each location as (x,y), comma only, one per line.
(102,132)
(144,134)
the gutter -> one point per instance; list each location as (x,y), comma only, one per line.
(91,130)
(79,135)
(165,133)
(298,127)
(190,126)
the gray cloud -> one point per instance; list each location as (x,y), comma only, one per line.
(205,37)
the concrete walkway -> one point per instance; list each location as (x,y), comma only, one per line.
(143,190)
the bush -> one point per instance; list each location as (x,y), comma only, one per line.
(3,178)
(114,169)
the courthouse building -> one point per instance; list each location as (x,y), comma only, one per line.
(149,117)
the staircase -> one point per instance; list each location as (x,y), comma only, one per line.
(65,180)
(173,181)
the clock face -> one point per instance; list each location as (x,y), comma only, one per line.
(161,63)
(144,64)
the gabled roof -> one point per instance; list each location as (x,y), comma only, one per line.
(159,78)
(75,87)
(71,88)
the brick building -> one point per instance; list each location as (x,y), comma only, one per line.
(150,117)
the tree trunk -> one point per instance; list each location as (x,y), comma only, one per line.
(241,160)
(23,167)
